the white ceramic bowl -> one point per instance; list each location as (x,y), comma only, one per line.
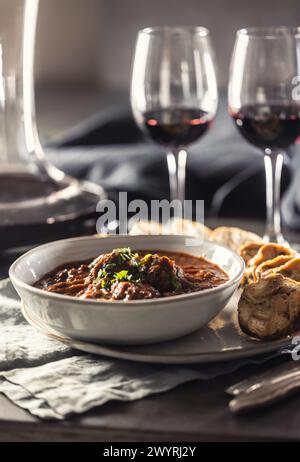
(119,322)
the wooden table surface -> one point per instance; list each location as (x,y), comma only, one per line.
(197,411)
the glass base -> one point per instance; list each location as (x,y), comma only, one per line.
(26,199)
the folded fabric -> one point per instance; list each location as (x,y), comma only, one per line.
(53,381)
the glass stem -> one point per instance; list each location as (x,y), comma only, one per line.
(273,169)
(177,172)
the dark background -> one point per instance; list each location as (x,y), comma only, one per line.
(84,51)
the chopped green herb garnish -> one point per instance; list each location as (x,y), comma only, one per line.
(125,254)
(105,284)
(176,283)
(101,274)
(107,270)
(122,276)
(109,266)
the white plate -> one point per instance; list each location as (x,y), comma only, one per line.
(221,340)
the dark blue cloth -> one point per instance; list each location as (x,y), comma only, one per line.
(223,169)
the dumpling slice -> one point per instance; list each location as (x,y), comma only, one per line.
(290,269)
(270,266)
(270,308)
(266,252)
(269,252)
(249,250)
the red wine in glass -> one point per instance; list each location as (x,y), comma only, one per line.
(176,127)
(264,105)
(174,92)
(269,125)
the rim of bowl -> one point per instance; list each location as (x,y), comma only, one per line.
(269,32)
(117,303)
(197,30)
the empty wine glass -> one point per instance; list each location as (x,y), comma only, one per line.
(262,102)
(174,92)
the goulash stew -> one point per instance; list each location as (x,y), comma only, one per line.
(126,275)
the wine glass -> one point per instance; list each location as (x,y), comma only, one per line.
(174,92)
(262,102)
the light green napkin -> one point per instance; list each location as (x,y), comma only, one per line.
(53,381)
